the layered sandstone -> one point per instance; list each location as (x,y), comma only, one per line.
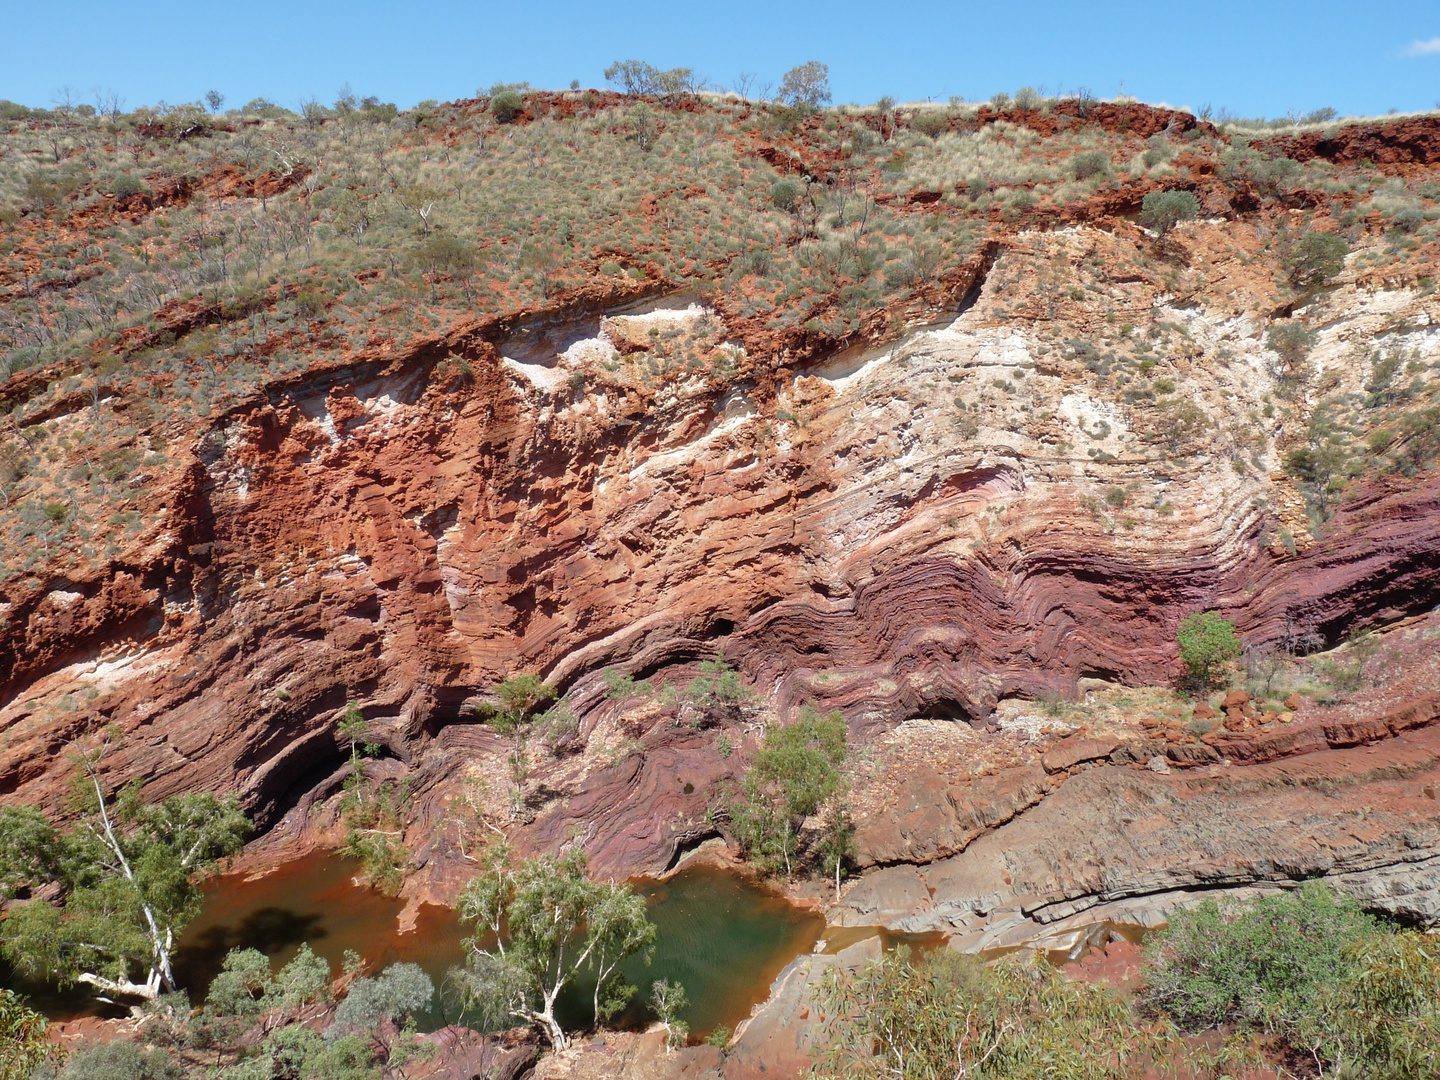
(922,530)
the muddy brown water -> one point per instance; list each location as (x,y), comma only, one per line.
(723,937)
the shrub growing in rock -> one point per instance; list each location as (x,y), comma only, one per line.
(1207,642)
(1163,210)
(1291,343)
(506,105)
(1316,258)
(795,775)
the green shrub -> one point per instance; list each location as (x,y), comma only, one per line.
(719,1036)
(931,122)
(120,1060)
(126,185)
(1316,258)
(1163,210)
(950,1015)
(785,195)
(1291,342)
(796,775)
(1090,163)
(310,302)
(1207,642)
(1258,966)
(1310,968)
(246,985)
(297,1053)
(506,105)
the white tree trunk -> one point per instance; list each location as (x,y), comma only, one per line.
(149,989)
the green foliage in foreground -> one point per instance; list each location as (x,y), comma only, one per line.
(949,1015)
(1331,983)
(795,775)
(118,1060)
(297,1053)
(23,1044)
(1324,983)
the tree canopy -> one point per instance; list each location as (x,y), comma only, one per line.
(126,873)
(806,86)
(795,775)
(557,923)
(1316,258)
(1206,642)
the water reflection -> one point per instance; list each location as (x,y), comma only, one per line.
(721,936)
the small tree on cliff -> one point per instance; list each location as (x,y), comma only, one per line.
(1316,258)
(558,922)
(127,875)
(795,775)
(806,87)
(1207,643)
(517,716)
(1163,210)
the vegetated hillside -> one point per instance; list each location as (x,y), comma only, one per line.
(363,406)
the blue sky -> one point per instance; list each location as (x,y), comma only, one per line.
(1255,57)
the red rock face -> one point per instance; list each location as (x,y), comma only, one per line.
(396,533)
(1413,141)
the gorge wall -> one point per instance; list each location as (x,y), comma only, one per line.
(933,535)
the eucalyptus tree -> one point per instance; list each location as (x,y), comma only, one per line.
(124,875)
(557,924)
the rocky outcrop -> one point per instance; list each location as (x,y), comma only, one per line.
(935,815)
(1365,818)
(1413,141)
(924,530)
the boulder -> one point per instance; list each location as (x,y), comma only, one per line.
(882,898)
(1076,749)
